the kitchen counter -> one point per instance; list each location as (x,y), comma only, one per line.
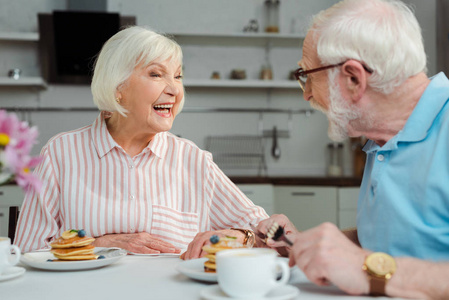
(310,181)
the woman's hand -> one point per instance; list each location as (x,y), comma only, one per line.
(141,242)
(195,250)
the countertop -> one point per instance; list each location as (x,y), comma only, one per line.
(310,181)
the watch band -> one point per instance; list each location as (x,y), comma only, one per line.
(249,236)
(377,286)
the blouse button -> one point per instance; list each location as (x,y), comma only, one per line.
(380,157)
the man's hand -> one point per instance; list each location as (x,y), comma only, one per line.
(326,255)
(265,225)
(194,250)
(141,242)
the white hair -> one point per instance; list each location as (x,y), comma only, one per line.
(382,34)
(120,55)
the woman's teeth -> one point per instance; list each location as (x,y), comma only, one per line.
(163,108)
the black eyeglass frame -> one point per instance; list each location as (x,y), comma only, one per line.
(301,73)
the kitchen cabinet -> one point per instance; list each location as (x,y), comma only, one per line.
(307,206)
(10,195)
(260,194)
(347,206)
(20,51)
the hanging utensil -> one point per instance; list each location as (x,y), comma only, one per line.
(275,150)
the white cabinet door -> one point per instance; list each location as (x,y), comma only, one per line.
(306,206)
(260,194)
(10,195)
(347,207)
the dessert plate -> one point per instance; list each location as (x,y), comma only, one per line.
(194,269)
(44,260)
(284,292)
(11,272)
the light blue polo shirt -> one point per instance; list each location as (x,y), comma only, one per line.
(403,206)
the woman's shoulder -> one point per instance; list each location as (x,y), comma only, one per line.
(58,138)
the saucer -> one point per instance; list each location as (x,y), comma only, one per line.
(11,272)
(284,292)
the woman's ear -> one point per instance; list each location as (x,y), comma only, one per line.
(354,81)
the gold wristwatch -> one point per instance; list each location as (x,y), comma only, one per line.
(379,267)
(249,236)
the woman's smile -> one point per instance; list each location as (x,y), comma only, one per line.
(164,109)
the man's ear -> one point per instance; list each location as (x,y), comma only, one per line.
(354,80)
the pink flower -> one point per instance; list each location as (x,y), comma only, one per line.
(16,142)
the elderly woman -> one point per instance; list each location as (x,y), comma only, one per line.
(125,179)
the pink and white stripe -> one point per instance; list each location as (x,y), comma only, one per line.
(172,190)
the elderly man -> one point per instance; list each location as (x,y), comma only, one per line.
(364,66)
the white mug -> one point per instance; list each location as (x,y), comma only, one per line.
(250,273)
(5,254)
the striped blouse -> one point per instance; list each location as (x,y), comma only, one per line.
(172,190)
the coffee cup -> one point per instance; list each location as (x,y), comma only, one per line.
(6,259)
(250,273)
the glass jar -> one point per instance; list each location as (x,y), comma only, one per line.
(335,159)
(272,15)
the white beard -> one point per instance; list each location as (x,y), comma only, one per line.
(340,112)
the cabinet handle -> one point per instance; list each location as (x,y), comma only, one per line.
(303,194)
(1,193)
(2,215)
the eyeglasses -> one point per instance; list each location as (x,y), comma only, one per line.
(301,75)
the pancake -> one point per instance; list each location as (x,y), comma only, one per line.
(77,257)
(73,245)
(72,242)
(73,251)
(218,244)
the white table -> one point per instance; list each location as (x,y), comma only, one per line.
(132,278)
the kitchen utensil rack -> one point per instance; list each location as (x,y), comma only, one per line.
(238,152)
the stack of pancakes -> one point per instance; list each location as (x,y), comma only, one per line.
(73,246)
(223,244)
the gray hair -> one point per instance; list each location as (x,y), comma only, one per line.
(383,34)
(120,55)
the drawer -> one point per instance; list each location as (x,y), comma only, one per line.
(11,195)
(347,198)
(307,206)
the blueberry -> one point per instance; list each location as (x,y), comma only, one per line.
(101,256)
(49,260)
(81,233)
(214,239)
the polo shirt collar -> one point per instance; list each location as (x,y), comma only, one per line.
(420,121)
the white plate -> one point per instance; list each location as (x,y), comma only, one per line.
(284,292)
(40,260)
(194,268)
(11,272)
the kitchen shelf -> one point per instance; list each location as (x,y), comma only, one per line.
(241,83)
(23,82)
(19,36)
(254,35)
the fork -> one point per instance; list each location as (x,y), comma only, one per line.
(276,233)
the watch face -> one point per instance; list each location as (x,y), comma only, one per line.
(381,264)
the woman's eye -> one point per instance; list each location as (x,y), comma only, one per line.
(155,75)
(178,77)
